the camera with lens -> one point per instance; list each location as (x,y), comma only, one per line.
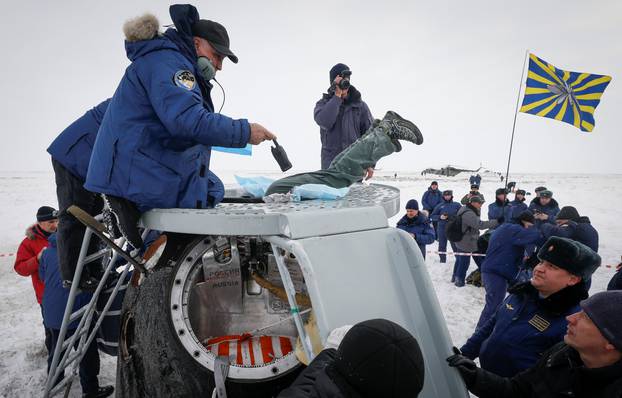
(344,84)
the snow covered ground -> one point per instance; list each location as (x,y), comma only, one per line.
(22,353)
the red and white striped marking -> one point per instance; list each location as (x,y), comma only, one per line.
(251,350)
(456,254)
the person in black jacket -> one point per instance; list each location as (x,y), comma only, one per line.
(588,364)
(377,358)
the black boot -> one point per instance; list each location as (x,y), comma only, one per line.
(126,216)
(101,392)
(402,129)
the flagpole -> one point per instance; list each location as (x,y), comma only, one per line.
(520,86)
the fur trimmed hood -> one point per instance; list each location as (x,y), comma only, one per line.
(141,28)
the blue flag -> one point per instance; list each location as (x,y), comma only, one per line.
(570,97)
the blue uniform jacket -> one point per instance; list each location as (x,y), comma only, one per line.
(507,248)
(73,146)
(420,226)
(55,296)
(551,209)
(450,208)
(431,198)
(155,140)
(517,207)
(524,326)
(498,209)
(581,231)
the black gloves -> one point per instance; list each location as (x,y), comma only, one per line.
(501,220)
(466,366)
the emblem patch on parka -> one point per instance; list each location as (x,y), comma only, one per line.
(185,79)
(539,323)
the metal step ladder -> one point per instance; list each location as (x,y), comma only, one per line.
(89,322)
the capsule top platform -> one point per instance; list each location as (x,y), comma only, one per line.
(365,207)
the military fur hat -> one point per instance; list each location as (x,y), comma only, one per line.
(573,256)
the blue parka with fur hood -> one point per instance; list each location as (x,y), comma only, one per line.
(154,144)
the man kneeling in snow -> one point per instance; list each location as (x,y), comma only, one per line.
(587,364)
(531,319)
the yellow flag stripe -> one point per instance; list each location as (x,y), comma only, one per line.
(593,96)
(587,125)
(533,75)
(562,111)
(537,90)
(586,108)
(593,83)
(581,77)
(545,68)
(577,116)
(566,75)
(527,108)
(545,111)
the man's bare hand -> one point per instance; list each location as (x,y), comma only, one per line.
(369,173)
(260,134)
(338,91)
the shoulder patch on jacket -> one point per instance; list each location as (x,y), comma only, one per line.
(185,79)
(539,323)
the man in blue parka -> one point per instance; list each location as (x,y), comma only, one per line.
(500,207)
(55,298)
(71,152)
(153,147)
(440,215)
(518,205)
(431,198)
(417,225)
(342,115)
(504,255)
(544,207)
(532,318)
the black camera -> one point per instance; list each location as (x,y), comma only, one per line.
(344,84)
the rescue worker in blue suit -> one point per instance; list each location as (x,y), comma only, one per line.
(55,298)
(544,207)
(569,224)
(505,253)
(439,215)
(500,207)
(417,225)
(532,318)
(518,205)
(154,144)
(431,198)
(71,152)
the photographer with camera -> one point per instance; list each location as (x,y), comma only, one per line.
(342,115)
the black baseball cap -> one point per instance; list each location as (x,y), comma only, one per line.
(216,35)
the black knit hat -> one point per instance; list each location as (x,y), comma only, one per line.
(216,35)
(604,310)
(412,205)
(526,216)
(568,213)
(379,358)
(501,191)
(434,183)
(46,213)
(336,70)
(474,186)
(573,256)
(448,192)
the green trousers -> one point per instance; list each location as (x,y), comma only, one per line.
(349,166)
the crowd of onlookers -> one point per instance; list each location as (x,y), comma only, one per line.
(539,333)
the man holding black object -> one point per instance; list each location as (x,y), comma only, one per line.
(342,115)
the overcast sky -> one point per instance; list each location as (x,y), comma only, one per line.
(451,67)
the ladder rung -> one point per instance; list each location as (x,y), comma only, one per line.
(80,333)
(77,314)
(96,255)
